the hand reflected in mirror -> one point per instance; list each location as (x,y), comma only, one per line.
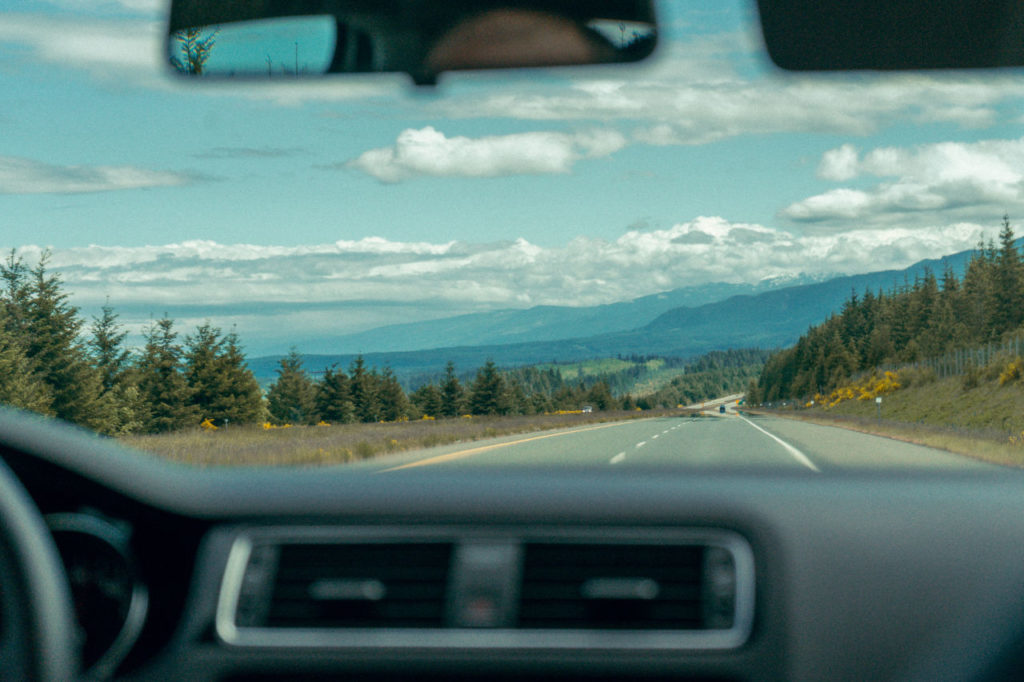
(511,37)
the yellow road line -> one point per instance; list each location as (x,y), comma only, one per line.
(451,456)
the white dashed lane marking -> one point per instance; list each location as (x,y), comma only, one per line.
(622,455)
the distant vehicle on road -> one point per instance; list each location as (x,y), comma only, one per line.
(587,409)
(721,409)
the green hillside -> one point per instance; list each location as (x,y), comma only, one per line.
(938,350)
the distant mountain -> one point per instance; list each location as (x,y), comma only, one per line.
(540,323)
(769,319)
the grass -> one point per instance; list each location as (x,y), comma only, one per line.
(589,368)
(976,417)
(654,378)
(343,443)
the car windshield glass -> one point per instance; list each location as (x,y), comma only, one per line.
(697,260)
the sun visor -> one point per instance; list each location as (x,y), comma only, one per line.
(811,35)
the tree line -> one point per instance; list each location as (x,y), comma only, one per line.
(363,394)
(366,395)
(924,319)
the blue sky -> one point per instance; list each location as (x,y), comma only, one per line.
(356,202)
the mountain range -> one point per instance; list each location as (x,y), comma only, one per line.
(544,323)
(684,323)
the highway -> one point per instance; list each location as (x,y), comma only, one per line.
(713,441)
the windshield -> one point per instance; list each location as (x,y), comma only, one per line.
(697,260)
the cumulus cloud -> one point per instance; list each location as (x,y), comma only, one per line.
(976,180)
(109,47)
(376,274)
(276,294)
(839,164)
(27,176)
(429,152)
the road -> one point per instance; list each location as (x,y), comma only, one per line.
(711,442)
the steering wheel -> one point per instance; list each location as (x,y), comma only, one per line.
(37,631)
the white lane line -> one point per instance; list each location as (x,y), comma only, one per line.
(655,436)
(641,444)
(797,455)
(617,458)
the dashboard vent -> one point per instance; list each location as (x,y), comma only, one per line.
(359,585)
(434,588)
(627,586)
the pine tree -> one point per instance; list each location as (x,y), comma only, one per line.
(165,393)
(124,406)
(224,390)
(394,405)
(753,394)
(292,397)
(110,356)
(428,400)
(46,326)
(362,386)
(977,295)
(1007,295)
(518,402)
(600,396)
(20,386)
(242,401)
(333,398)
(487,395)
(202,369)
(452,393)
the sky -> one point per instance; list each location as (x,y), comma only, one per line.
(321,207)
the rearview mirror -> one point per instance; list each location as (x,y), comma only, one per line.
(260,38)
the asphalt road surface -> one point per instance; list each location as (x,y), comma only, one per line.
(711,442)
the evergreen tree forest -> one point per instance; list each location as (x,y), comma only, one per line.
(924,319)
(52,364)
(55,363)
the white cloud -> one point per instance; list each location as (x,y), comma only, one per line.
(106,47)
(464,276)
(429,152)
(977,181)
(839,164)
(27,176)
(275,294)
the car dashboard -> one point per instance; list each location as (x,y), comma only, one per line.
(320,574)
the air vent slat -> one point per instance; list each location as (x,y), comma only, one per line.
(353,585)
(640,587)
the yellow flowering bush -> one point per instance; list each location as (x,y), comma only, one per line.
(868,388)
(1013,371)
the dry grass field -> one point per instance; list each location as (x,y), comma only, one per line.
(339,444)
